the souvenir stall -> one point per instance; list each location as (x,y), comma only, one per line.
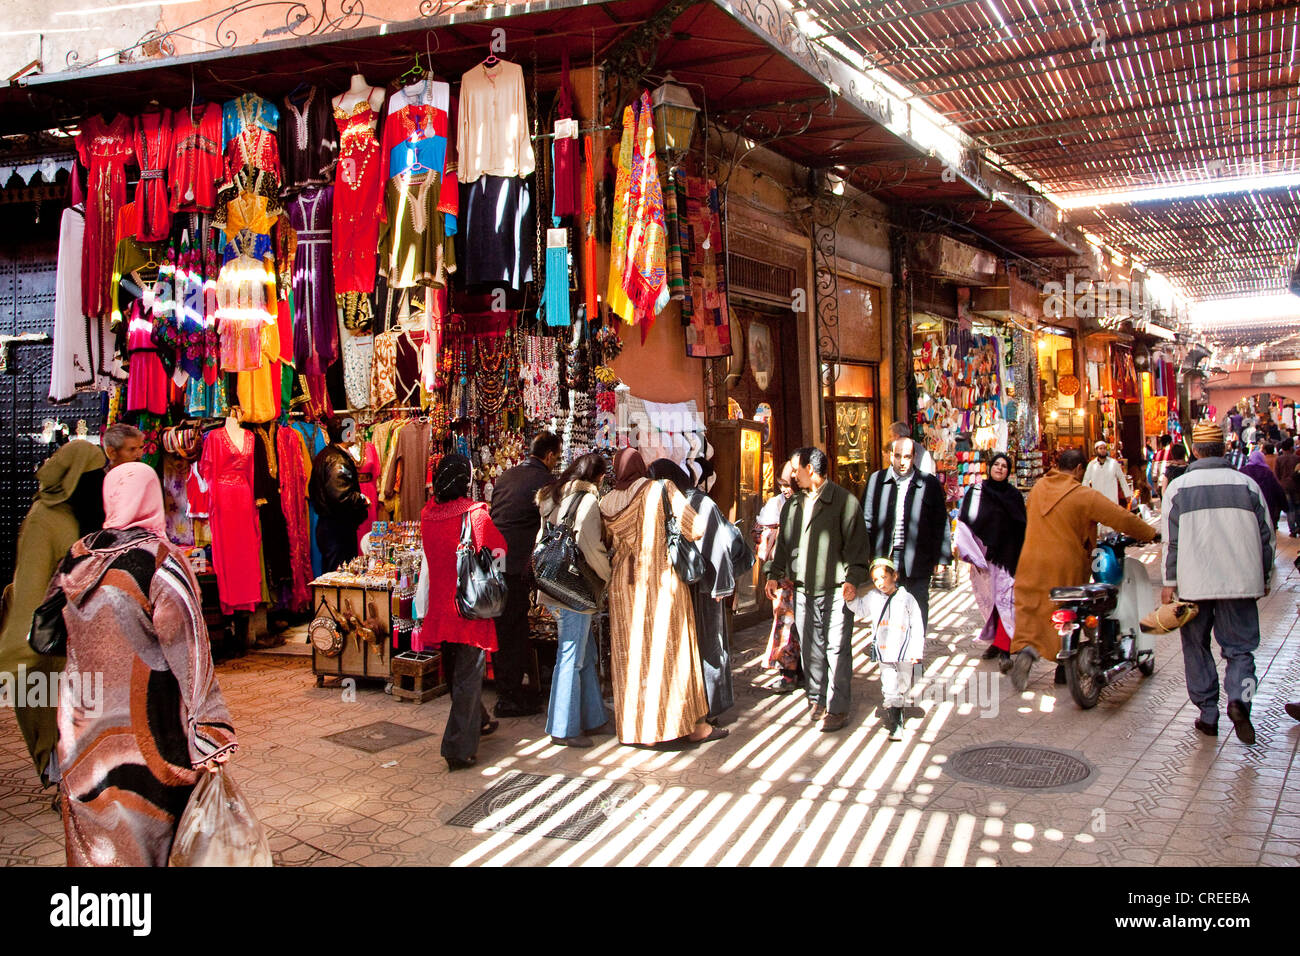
(976,394)
(416,262)
(1062,414)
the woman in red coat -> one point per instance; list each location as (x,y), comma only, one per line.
(465,643)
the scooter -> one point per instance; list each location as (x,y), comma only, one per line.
(1101,640)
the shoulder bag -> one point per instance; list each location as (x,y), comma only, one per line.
(49,633)
(682,553)
(480,585)
(560,569)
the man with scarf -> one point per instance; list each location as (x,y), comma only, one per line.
(990,534)
(907,522)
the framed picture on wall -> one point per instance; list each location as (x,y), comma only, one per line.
(760,354)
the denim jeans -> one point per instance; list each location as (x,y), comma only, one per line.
(575,688)
(1235,624)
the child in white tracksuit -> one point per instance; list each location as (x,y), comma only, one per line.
(898,638)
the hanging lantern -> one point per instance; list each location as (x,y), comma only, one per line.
(675,113)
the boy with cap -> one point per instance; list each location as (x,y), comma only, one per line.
(897,638)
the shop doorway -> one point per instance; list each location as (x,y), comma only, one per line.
(853,423)
(767,388)
(27,306)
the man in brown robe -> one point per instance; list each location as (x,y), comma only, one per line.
(1059,538)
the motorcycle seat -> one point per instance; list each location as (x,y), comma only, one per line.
(1083,592)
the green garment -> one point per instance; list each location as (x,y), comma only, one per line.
(48,532)
(827,548)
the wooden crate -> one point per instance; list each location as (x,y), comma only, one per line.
(354,661)
(417,677)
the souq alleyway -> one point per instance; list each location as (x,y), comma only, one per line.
(1141,786)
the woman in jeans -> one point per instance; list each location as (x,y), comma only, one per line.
(465,643)
(576,710)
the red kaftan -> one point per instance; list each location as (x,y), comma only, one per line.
(440,531)
(236,534)
(153,149)
(368,472)
(290,451)
(105,149)
(358,200)
(195,167)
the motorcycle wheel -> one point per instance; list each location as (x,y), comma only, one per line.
(1081,676)
(1147,664)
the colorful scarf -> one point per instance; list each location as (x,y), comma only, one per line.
(677,288)
(646,280)
(616,298)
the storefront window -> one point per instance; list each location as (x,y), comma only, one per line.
(851,413)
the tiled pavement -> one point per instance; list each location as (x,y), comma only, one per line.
(776,791)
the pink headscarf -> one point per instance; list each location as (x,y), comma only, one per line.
(133,499)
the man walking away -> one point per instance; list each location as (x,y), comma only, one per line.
(1284,468)
(822,547)
(1218,553)
(516,516)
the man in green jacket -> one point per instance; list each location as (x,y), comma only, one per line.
(68,505)
(822,548)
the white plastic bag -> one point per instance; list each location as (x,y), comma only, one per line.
(218,827)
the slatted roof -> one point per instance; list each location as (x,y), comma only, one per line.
(1090,95)
(1216,246)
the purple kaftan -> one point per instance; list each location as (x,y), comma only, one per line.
(316,329)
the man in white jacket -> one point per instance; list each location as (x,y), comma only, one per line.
(1218,545)
(1105,475)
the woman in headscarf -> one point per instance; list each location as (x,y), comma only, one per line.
(140,714)
(465,643)
(659,692)
(1274,497)
(726,557)
(990,534)
(576,710)
(68,505)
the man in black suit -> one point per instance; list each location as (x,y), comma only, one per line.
(916,536)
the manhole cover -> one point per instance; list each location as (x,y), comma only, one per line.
(378,736)
(1021,767)
(567,808)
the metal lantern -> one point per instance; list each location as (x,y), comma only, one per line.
(674,112)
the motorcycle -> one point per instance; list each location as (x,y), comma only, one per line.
(1101,640)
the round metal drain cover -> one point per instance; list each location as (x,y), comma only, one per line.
(1021,767)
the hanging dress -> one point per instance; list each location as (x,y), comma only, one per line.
(146,388)
(292,454)
(105,149)
(236,535)
(315,334)
(368,472)
(309,140)
(195,166)
(358,199)
(153,150)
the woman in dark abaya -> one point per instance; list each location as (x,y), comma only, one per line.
(990,534)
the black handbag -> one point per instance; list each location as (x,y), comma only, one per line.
(560,569)
(682,554)
(49,633)
(480,585)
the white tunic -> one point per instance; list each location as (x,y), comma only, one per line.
(1109,479)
